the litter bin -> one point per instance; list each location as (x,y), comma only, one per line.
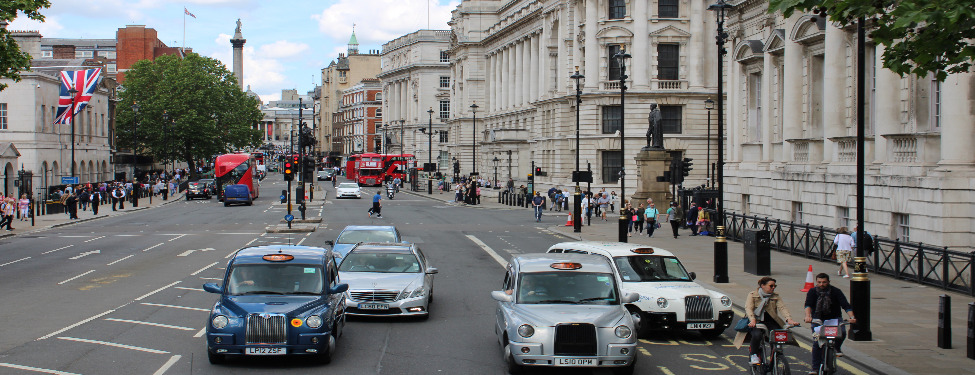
(758,257)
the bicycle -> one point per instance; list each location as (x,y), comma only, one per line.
(774,360)
(827,337)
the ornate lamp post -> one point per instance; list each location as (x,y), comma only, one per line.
(577,203)
(720,244)
(708,105)
(495,162)
(384,148)
(135,149)
(73,92)
(166,120)
(474,150)
(429,133)
(621,57)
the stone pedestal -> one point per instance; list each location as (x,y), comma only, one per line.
(650,165)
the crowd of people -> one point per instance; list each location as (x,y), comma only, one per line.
(91,195)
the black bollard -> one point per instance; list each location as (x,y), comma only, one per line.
(944,322)
(971,331)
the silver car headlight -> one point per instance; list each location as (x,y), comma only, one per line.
(725,301)
(623,332)
(419,292)
(662,303)
(219,321)
(313,321)
(526,330)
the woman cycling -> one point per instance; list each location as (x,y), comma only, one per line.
(763,305)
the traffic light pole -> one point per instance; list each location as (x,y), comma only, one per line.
(300,196)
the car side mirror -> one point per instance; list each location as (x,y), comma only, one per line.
(693,275)
(432,271)
(340,288)
(330,243)
(631,297)
(212,288)
(500,296)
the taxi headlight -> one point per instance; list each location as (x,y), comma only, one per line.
(220,321)
(662,303)
(623,332)
(725,301)
(313,321)
(526,330)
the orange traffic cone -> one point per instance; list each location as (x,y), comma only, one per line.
(569,223)
(809,281)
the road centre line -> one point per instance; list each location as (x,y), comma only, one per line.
(1,265)
(61,283)
(156,291)
(174,306)
(176,238)
(185,288)
(120,260)
(62,330)
(60,248)
(203,269)
(150,324)
(488,250)
(36,369)
(201,333)
(154,246)
(96,238)
(112,344)
(172,361)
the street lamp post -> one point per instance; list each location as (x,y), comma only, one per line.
(72,92)
(166,120)
(429,132)
(621,57)
(495,162)
(384,148)
(720,243)
(708,105)
(135,150)
(474,152)
(577,204)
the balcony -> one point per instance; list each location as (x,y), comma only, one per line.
(913,148)
(667,84)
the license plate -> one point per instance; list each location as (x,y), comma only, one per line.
(374,306)
(700,325)
(575,361)
(265,351)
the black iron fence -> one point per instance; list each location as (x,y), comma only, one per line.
(924,264)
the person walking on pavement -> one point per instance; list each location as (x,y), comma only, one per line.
(630,218)
(24,205)
(825,302)
(651,213)
(538,202)
(377,205)
(96,199)
(73,206)
(603,203)
(843,244)
(6,212)
(640,213)
(765,306)
(691,218)
(868,241)
(587,207)
(673,216)
(118,198)
(612,201)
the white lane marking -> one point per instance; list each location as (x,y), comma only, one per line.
(172,361)
(175,306)
(249,243)
(188,252)
(302,240)
(156,291)
(60,248)
(154,246)
(1,265)
(203,269)
(150,324)
(120,260)
(238,233)
(127,235)
(84,254)
(185,288)
(36,369)
(62,330)
(488,250)
(75,236)
(211,278)
(96,238)
(176,238)
(112,344)
(61,283)
(201,333)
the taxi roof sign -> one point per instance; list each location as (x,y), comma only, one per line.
(566,266)
(643,250)
(278,257)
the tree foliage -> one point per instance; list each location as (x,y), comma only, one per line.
(12,59)
(919,36)
(207,112)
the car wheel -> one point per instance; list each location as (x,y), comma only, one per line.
(187,198)
(225,204)
(216,359)
(509,361)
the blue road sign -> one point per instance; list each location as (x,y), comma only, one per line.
(289,217)
(69,180)
(282,197)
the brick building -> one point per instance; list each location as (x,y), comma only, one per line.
(359,116)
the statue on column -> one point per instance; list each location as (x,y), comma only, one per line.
(655,133)
(238,27)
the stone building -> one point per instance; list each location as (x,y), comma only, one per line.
(514,61)
(792,126)
(359,118)
(341,74)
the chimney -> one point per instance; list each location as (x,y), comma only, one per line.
(63,51)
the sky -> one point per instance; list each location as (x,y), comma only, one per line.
(288,42)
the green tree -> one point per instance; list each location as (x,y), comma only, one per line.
(190,109)
(12,59)
(919,36)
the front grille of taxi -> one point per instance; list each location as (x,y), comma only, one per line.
(267,329)
(575,339)
(698,308)
(374,296)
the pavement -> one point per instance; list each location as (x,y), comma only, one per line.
(904,314)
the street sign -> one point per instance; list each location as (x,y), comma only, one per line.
(289,218)
(69,181)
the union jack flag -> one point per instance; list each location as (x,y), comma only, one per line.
(85,82)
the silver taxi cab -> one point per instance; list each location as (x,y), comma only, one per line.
(670,299)
(564,310)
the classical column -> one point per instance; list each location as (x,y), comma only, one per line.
(958,122)
(696,46)
(592,46)
(533,69)
(767,75)
(520,73)
(641,55)
(498,74)
(506,73)
(887,106)
(835,87)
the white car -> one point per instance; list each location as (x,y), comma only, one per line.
(348,190)
(670,300)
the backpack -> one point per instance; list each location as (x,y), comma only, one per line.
(868,243)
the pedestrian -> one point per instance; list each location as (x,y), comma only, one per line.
(640,217)
(765,306)
(511,186)
(612,201)
(868,241)
(6,212)
(96,198)
(164,190)
(551,196)
(73,206)
(603,203)
(559,200)
(24,204)
(843,247)
(673,216)
(64,200)
(587,207)
(826,302)
(538,202)
(691,218)
(651,214)
(630,218)
(83,198)
(118,198)
(377,205)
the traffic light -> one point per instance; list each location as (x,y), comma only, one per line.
(289,170)
(685,167)
(308,169)
(531,178)
(538,170)
(456,167)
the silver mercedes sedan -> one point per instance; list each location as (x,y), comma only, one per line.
(387,279)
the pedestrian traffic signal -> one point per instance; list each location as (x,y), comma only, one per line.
(308,169)
(289,171)
(531,178)
(685,167)
(456,167)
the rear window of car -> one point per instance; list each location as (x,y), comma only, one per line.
(356,236)
(380,261)
(348,186)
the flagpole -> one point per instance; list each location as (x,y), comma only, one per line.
(184,30)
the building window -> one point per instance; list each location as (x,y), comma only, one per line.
(379,112)
(670,119)
(444,82)
(935,104)
(797,212)
(667,9)
(47,53)
(444,57)
(614,63)
(443,138)
(444,109)
(746,203)
(110,54)
(3,116)
(617,9)
(341,74)
(612,118)
(83,54)
(612,164)
(378,97)
(843,217)
(902,227)
(668,61)
(755,107)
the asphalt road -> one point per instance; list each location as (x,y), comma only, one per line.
(123,295)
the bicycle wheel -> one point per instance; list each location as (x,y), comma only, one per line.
(757,370)
(829,360)
(780,365)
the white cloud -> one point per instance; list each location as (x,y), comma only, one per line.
(51,27)
(379,21)
(283,49)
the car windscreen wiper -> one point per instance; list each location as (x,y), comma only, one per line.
(305,293)
(596,299)
(554,301)
(261,292)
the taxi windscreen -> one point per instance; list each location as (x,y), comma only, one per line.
(300,279)
(641,268)
(567,287)
(398,262)
(356,236)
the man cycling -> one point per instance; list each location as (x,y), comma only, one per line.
(826,302)
(396,183)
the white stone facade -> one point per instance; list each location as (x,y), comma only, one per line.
(791,133)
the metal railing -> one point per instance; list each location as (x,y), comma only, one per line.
(918,262)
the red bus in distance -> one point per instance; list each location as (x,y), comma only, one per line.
(233,169)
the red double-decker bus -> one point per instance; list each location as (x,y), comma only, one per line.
(233,169)
(373,169)
(351,163)
(398,165)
